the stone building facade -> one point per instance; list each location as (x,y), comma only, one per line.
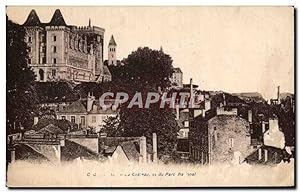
(229,139)
(112,52)
(88,114)
(177,77)
(58,51)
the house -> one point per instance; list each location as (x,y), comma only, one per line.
(72,150)
(87,114)
(126,150)
(267,155)
(50,130)
(228,135)
(273,136)
(221,134)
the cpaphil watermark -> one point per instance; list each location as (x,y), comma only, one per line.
(139,100)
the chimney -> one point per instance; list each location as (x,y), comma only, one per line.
(149,158)
(250,116)
(273,125)
(191,94)
(224,100)
(278,94)
(143,149)
(263,127)
(154,140)
(259,154)
(191,87)
(35,120)
(62,143)
(90,101)
(207,104)
(266,155)
(177,111)
(12,155)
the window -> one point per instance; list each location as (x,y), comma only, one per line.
(54,60)
(29,39)
(42,37)
(44,60)
(72,119)
(29,49)
(186,123)
(29,60)
(54,38)
(82,120)
(41,72)
(53,49)
(63,117)
(231,142)
(93,119)
(53,72)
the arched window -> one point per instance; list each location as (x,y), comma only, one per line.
(41,73)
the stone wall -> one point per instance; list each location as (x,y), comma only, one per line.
(228,135)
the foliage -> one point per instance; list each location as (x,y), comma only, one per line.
(111,127)
(144,68)
(20,94)
(144,122)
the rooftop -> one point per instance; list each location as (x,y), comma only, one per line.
(112,41)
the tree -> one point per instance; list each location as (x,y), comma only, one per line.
(145,122)
(111,127)
(144,68)
(20,94)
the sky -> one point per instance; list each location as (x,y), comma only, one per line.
(233,49)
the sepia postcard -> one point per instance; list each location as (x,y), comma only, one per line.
(150,96)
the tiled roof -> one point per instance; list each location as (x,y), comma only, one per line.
(75,107)
(25,152)
(115,141)
(273,152)
(112,41)
(32,19)
(51,129)
(73,150)
(106,70)
(96,109)
(131,150)
(57,19)
(110,149)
